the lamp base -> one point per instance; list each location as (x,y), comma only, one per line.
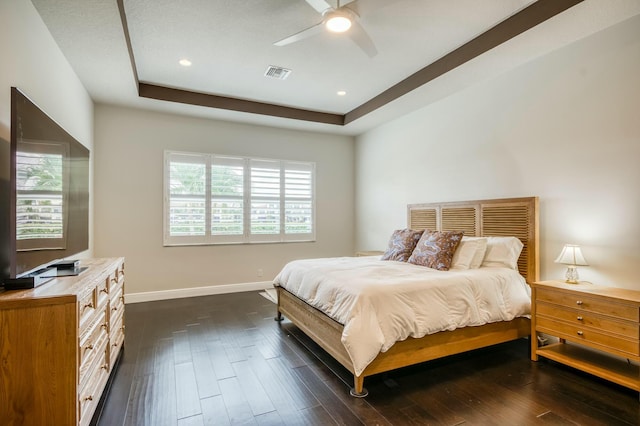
(571,275)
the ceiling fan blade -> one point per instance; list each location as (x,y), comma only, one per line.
(319,5)
(311,31)
(362,39)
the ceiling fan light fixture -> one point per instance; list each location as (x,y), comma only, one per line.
(337,22)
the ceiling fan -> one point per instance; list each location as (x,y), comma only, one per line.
(339,19)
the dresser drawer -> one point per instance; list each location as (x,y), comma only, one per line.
(89,395)
(92,346)
(116,339)
(587,336)
(581,318)
(117,300)
(102,293)
(116,278)
(581,302)
(87,306)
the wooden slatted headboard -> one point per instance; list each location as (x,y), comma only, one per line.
(517,217)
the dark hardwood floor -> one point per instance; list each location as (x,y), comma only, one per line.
(222,360)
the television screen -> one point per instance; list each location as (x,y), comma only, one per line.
(49,189)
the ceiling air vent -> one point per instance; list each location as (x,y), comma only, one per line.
(277,72)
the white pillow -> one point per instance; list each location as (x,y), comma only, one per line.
(502,252)
(481,251)
(469,253)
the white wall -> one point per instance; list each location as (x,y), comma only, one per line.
(565,127)
(32,61)
(129,146)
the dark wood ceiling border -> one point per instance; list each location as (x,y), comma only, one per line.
(518,23)
(511,27)
(127,38)
(215,101)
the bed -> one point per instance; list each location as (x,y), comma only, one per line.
(514,217)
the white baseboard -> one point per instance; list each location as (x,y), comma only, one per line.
(195,291)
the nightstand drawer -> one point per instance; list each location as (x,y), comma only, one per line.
(589,304)
(587,335)
(579,318)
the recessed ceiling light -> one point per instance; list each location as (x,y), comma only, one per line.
(341,93)
(185,62)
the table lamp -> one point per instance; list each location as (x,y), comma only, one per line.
(571,256)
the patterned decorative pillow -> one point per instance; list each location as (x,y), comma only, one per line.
(435,249)
(401,244)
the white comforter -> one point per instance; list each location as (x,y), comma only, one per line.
(382,302)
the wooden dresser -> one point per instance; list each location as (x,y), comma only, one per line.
(58,345)
(586,317)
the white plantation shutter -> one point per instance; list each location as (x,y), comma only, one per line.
(265,200)
(216,199)
(186,197)
(227,198)
(298,201)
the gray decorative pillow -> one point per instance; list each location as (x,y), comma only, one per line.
(401,244)
(435,249)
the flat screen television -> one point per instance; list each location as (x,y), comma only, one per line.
(48,190)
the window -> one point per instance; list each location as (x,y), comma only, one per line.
(218,199)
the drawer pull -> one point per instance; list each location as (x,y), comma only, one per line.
(89,347)
(580,333)
(579,318)
(115,308)
(579,302)
(88,398)
(104,325)
(88,305)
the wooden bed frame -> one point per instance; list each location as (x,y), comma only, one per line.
(502,217)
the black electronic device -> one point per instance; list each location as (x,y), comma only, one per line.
(67,264)
(70,272)
(32,280)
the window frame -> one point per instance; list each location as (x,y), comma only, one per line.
(246,237)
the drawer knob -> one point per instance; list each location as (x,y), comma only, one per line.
(579,302)
(115,308)
(580,333)
(579,318)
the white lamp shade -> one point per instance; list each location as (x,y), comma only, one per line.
(571,255)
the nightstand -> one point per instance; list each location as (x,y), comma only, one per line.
(598,329)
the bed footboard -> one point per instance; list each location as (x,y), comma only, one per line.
(327,333)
